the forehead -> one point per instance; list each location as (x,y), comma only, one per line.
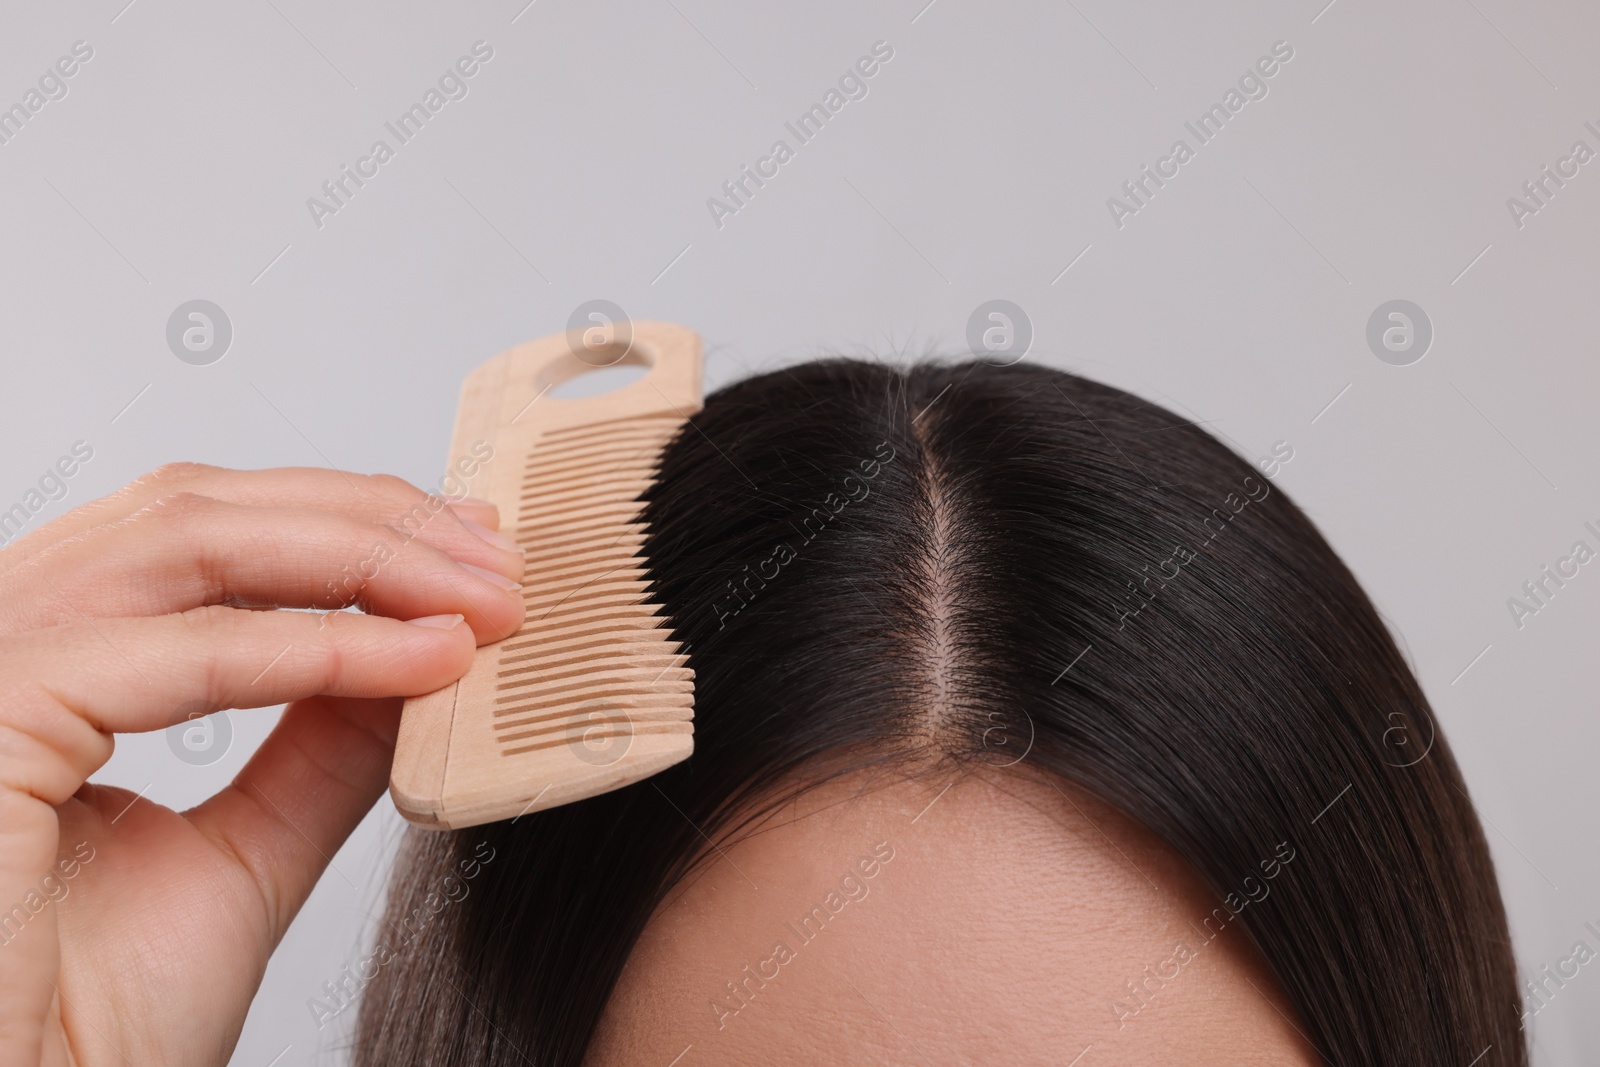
(980,916)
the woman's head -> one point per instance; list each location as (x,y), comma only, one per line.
(1058,719)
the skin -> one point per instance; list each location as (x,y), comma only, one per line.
(1011,916)
(129,608)
(1007,919)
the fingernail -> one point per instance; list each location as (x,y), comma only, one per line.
(493,577)
(439,622)
(494,537)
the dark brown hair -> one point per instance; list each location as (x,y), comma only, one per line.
(841,544)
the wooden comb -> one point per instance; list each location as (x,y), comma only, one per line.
(591,693)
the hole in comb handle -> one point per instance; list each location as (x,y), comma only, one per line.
(598,382)
(592,693)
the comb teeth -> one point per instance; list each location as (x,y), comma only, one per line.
(592,692)
(594,663)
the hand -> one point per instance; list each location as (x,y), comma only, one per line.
(128,609)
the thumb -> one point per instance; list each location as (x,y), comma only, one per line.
(302,794)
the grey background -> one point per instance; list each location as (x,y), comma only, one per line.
(978,167)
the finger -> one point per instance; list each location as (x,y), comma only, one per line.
(29,838)
(186,551)
(129,675)
(301,795)
(485,514)
(436,519)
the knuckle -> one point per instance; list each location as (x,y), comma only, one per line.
(414,519)
(333,662)
(36,763)
(390,487)
(178,506)
(179,512)
(220,628)
(391,483)
(175,474)
(394,538)
(211,619)
(328,642)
